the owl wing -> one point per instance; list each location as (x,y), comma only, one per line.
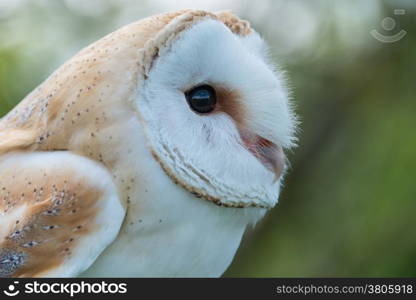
(58,212)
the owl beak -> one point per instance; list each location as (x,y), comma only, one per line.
(270,154)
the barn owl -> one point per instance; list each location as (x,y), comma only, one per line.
(147,154)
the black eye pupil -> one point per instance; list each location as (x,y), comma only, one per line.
(202,99)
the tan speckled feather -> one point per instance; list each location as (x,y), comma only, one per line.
(49,206)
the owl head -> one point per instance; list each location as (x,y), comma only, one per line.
(215,110)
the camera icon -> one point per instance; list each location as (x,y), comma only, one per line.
(388,24)
(11,290)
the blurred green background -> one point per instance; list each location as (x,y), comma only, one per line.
(349,203)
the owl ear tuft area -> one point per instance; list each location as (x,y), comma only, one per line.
(236,25)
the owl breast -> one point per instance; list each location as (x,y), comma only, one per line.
(167,230)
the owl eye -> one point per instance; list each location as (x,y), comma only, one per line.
(202,99)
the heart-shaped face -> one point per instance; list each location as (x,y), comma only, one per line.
(216,113)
